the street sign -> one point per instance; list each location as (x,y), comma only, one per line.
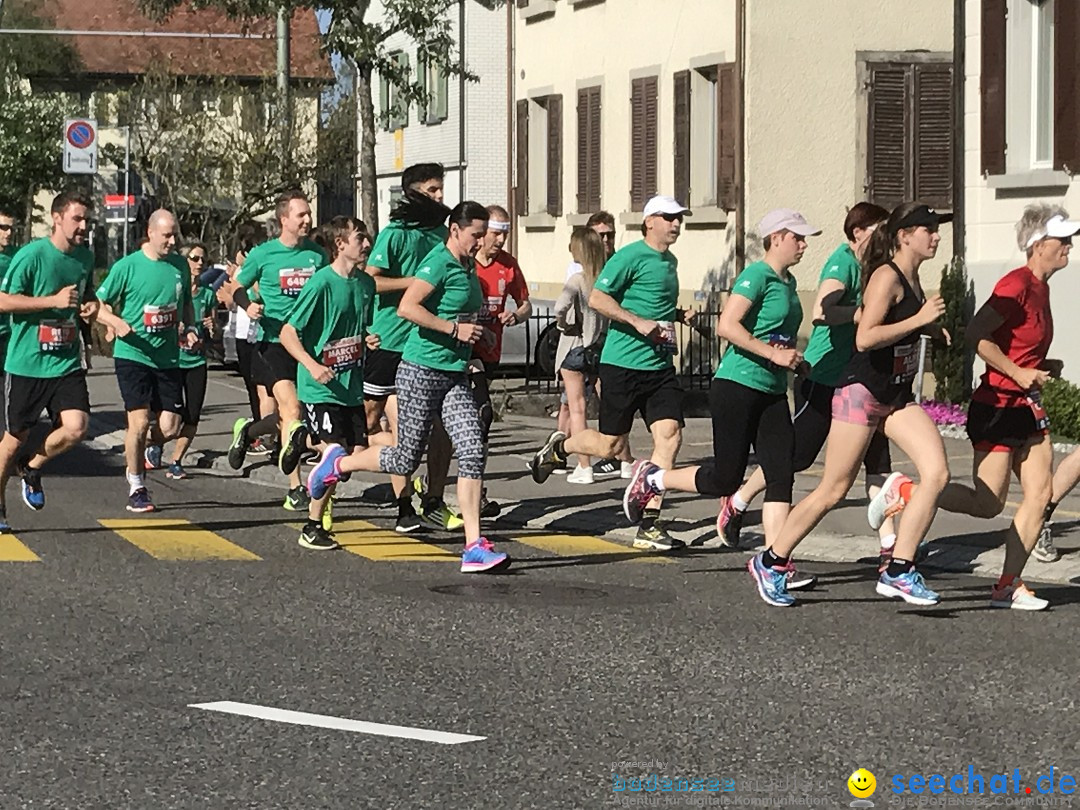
(80,146)
(115,209)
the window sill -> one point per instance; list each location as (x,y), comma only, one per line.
(537,8)
(577,220)
(584,2)
(630,218)
(538,222)
(1039,178)
(707,216)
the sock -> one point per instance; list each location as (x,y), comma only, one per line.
(311,525)
(898,567)
(264,427)
(656,480)
(135,481)
(888,541)
(560,451)
(738,504)
(404,505)
(1006,580)
(906,489)
(770,560)
(1049,513)
(649,518)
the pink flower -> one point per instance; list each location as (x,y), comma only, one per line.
(945,413)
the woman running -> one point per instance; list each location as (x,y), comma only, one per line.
(875,393)
(748,397)
(443,300)
(1007,425)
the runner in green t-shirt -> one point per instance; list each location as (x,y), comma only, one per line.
(47,286)
(7,251)
(748,399)
(146,301)
(443,301)
(327,334)
(280,267)
(417,226)
(638,290)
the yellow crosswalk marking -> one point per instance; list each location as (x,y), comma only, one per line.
(176,539)
(368,540)
(13,550)
(571,545)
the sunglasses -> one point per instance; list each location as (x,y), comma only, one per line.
(5,227)
(196,258)
(672,217)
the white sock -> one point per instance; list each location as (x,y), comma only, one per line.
(135,481)
(738,504)
(656,480)
(888,541)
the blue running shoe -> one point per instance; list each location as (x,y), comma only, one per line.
(176,470)
(481,556)
(326,472)
(139,501)
(909,586)
(771,582)
(5,527)
(32,493)
(153,456)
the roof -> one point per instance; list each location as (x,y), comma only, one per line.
(187,56)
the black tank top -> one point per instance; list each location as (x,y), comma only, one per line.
(888,371)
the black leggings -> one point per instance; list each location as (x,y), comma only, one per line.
(743,417)
(812,420)
(244,353)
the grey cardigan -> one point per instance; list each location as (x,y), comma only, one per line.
(579,323)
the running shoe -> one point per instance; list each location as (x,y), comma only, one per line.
(626,469)
(317,538)
(887,502)
(239,446)
(489,509)
(32,493)
(1016,596)
(656,538)
(294,447)
(797,580)
(153,456)
(296,500)
(481,557)
(771,582)
(581,475)
(545,461)
(407,519)
(729,525)
(639,491)
(1045,550)
(435,513)
(606,468)
(176,470)
(139,501)
(328,515)
(5,527)
(909,586)
(258,448)
(326,472)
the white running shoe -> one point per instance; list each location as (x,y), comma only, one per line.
(580,475)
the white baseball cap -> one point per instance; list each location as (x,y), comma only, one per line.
(662,204)
(1057,227)
(786,219)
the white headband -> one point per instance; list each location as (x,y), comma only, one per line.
(498,225)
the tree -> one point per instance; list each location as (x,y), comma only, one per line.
(952,363)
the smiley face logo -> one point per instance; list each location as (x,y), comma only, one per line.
(861,784)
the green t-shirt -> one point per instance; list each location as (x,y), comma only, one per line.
(456,297)
(774,317)
(46,344)
(281,273)
(5,320)
(151,296)
(830,347)
(398,252)
(332,316)
(645,282)
(203,303)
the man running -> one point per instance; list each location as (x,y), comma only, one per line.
(7,251)
(638,292)
(417,226)
(147,301)
(48,284)
(281,267)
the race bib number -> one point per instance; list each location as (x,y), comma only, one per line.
(468,317)
(1034,400)
(493,306)
(160,319)
(905,362)
(56,336)
(344,354)
(665,338)
(293,279)
(781,341)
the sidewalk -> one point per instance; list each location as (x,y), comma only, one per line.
(959,543)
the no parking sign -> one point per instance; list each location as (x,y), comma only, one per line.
(80,146)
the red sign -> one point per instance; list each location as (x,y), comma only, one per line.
(117,201)
(80,134)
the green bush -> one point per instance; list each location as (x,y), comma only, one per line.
(952,364)
(1062,402)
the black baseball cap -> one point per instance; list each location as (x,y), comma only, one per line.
(919,215)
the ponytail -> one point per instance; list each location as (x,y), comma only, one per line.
(879,250)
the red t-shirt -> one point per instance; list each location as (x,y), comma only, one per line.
(500,280)
(1024,303)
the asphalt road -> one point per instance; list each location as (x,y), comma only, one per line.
(567,667)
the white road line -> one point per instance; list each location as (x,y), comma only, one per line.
(336,723)
(233,386)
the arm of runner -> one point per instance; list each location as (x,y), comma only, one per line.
(979,336)
(413,310)
(64,299)
(106,316)
(827,309)
(881,293)
(290,339)
(730,327)
(610,309)
(385,284)
(519,291)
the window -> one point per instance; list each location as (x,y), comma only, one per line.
(643,123)
(393,106)
(437,92)
(910,133)
(704,128)
(589,166)
(539,155)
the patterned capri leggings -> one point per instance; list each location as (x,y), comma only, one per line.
(424,395)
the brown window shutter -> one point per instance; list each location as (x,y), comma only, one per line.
(888,136)
(1066,86)
(727,101)
(521,197)
(554,155)
(933,130)
(592,201)
(992,74)
(588,154)
(642,141)
(682,136)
